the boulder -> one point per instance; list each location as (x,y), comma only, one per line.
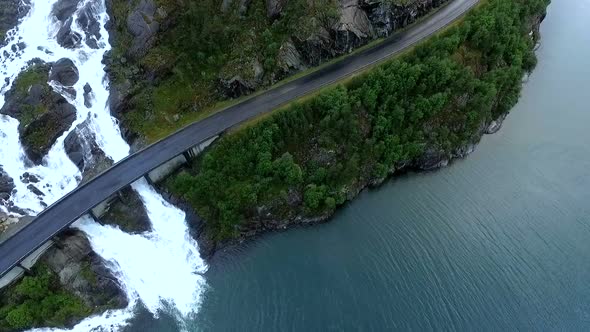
(38,137)
(289,59)
(128,212)
(80,146)
(432,159)
(83,272)
(88,95)
(65,72)
(354,28)
(6,185)
(27,177)
(316,48)
(495,125)
(89,24)
(66,37)
(64,9)
(143,27)
(35,190)
(44,114)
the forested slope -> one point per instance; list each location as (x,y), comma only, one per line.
(418,111)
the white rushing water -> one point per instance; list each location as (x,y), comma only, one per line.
(161,269)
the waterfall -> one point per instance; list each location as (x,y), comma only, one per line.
(160,269)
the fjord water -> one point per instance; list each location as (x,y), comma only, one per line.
(498,241)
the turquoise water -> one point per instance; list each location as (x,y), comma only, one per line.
(498,241)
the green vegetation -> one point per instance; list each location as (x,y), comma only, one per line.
(310,157)
(39,300)
(35,75)
(204,45)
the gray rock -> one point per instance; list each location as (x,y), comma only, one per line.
(88,95)
(353,29)
(80,146)
(66,37)
(143,27)
(64,9)
(495,125)
(83,272)
(35,190)
(128,212)
(6,185)
(289,58)
(29,178)
(11,11)
(53,124)
(87,19)
(432,159)
(65,72)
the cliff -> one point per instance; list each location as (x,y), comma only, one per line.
(173,61)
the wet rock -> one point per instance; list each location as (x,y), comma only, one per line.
(89,24)
(6,185)
(29,178)
(66,37)
(143,27)
(495,125)
(64,9)
(74,150)
(11,11)
(65,72)
(83,272)
(432,159)
(35,190)
(128,212)
(80,146)
(88,96)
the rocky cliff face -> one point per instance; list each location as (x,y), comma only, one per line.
(354,24)
(83,272)
(142,33)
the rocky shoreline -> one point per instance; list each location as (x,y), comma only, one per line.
(430,161)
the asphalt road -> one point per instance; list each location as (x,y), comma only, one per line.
(78,202)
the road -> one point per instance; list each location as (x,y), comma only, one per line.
(68,209)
